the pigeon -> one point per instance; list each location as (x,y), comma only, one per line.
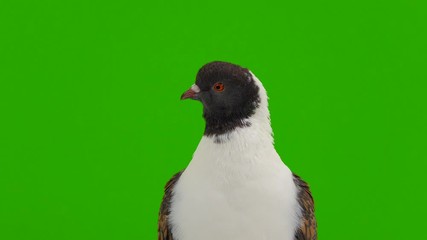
(236,186)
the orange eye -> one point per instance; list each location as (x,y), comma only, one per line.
(218,87)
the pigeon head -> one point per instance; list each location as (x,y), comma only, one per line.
(229,94)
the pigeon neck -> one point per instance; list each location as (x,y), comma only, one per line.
(217,127)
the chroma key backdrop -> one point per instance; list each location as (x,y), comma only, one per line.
(91,125)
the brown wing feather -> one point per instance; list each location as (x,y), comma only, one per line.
(164,229)
(308,225)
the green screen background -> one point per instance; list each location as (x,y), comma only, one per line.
(92,126)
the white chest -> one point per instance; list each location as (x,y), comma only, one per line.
(235,196)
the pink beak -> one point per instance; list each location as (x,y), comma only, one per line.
(191,93)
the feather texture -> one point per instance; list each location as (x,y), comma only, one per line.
(308,226)
(164,228)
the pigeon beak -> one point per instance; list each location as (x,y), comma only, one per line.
(191,93)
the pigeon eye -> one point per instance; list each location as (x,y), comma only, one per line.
(218,87)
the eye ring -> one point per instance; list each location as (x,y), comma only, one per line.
(218,87)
